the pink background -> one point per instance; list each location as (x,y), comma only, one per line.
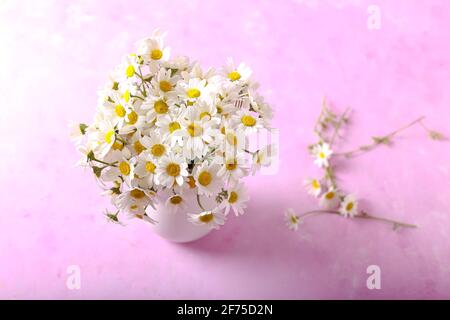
(55,54)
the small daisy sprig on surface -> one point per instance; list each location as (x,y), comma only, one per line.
(332,199)
(166,131)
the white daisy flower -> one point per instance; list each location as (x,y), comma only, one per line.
(135,201)
(247,121)
(115,109)
(257,103)
(291,219)
(146,167)
(232,169)
(116,113)
(236,200)
(240,74)
(206,179)
(105,137)
(192,90)
(179,63)
(155,145)
(235,142)
(349,206)
(126,71)
(175,202)
(322,152)
(77,132)
(135,143)
(196,133)
(152,49)
(124,169)
(225,102)
(197,72)
(156,106)
(264,157)
(171,170)
(212,218)
(313,186)
(134,120)
(330,199)
(206,110)
(163,83)
(167,125)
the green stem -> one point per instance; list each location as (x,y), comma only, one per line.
(377,141)
(105,163)
(361,215)
(199,203)
(338,126)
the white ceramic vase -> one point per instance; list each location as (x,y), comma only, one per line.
(174,226)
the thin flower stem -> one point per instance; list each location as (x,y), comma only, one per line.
(329,175)
(361,215)
(379,140)
(322,111)
(144,84)
(105,163)
(121,140)
(252,153)
(133,96)
(435,135)
(338,126)
(199,203)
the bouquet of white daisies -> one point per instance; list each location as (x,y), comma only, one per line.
(164,130)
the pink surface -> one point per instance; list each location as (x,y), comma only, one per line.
(55,54)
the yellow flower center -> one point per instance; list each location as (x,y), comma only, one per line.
(120,111)
(165,85)
(109,136)
(205,114)
(204,178)
(126,96)
(124,168)
(138,147)
(132,117)
(233,197)
(231,165)
(193,93)
(322,155)
(234,75)
(330,195)
(206,218)
(130,71)
(158,150)
(173,169)
(150,167)
(156,54)
(161,107)
(194,130)
(174,126)
(176,200)
(349,206)
(259,157)
(248,121)
(315,184)
(117,145)
(219,109)
(191,182)
(294,219)
(137,194)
